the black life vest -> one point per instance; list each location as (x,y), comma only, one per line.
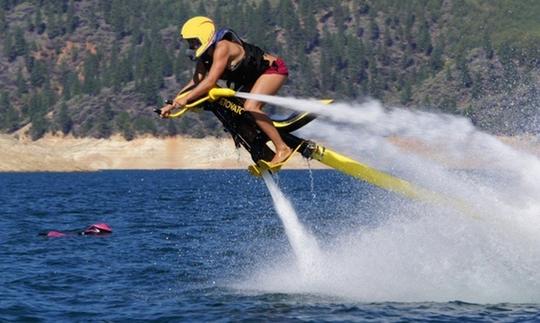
(248,70)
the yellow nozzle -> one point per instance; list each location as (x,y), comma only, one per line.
(218,92)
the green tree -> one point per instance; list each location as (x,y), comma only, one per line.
(104,127)
(448,104)
(406,93)
(339,16)
(436,61)
(488,47)
(119,18)
(72,20)
(38,21)
(39,73)
(124,73)
(9,48)
(145,125)
(22,88)
(54,26)
(9,117)
(36,109)
(93,20)
(63,120)
(91,84)
(3,21)
(424,38)
(123,122)
(461,64)
(19,42)
(172,130)
(476,89)
(39,126)
(374,31)
(150,88)
(48,94)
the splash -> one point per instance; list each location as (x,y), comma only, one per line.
(423,252)
(304,245)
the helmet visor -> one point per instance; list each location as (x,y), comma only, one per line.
(193,43)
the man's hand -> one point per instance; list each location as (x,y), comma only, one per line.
(178,103)
(166,110)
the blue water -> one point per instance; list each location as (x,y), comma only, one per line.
(183,243)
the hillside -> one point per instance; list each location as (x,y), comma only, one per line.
(97,67)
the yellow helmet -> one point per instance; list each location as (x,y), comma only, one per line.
(199,33)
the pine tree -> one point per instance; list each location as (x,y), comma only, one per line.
(123,122)
(5,105)
(374,78)
(150,88)
(93,20)
(124,74)
(171,128)
(339,16)
(3,21)
(72,20)
(19,44)
(488,48)
(374,31)
(63,120)
(145,125)
(476,89)
(424,38)
(38,22)
(64,72)
(406,93)
(36,110)
(39,127)
(91,83)
(49,96)
(311,32)
(9,48)
(54,26)
(436,61)
(39,73)
(461,64)
(118,18)
(448,104)
(356,59)
(388,41)
(9,117)
(22,88)
(104,128)
(180,67)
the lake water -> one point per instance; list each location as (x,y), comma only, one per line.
(209,246)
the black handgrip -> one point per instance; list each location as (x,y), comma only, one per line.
(158,111)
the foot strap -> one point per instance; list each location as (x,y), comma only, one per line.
(263,165)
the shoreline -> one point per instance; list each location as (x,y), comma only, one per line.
(69,154)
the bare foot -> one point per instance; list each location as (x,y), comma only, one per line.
(281,155)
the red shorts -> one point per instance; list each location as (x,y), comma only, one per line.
(278,67)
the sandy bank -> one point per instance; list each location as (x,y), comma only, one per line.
(54,153)
(87,154)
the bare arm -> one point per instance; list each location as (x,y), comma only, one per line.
(203,79)
(219,63)
(198,76)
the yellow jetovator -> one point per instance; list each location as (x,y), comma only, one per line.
(328,157)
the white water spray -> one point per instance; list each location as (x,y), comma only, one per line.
(304,244)
(423,253)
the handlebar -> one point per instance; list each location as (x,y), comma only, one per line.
(213,95)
